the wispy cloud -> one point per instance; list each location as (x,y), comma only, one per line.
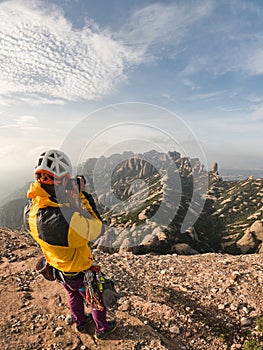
(42,54)
(216,37)
(160,25)
(189,83)
(257,114)
(44,59)
(255,59)
(25,122)
(169,97)
(206,96)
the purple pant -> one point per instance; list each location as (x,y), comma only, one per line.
(76,304)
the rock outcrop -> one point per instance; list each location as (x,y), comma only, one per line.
(138,194)
(252,239)
(214,168)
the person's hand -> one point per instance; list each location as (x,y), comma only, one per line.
(81,182)
(73,190)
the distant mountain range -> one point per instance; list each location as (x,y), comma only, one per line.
(165,203)
(240,174)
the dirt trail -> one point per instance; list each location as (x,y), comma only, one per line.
(170,302)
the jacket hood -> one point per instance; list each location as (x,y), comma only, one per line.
(40,196)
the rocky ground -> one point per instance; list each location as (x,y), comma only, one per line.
(209,301)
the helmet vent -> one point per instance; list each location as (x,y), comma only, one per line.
(63,160)
(49,163)
(61,168)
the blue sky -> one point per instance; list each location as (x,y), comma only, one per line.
(198,63)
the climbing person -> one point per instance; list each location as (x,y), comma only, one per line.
(62,218)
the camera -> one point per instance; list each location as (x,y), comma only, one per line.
(75,181)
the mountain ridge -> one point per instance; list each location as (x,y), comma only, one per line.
(165,203)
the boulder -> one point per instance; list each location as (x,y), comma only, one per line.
(105,242)
(183,249)
(257,228)
(159,232)
(126,246)
(246,243)
(142,215)
(252,239)
(149,240)
(191,231)
(151,244)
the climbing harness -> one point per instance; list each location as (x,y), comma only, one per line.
(99,290)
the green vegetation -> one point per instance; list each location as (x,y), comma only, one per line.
(259,324)
(252,344)
(255,342)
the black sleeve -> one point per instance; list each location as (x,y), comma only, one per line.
(91,201)
(27,208)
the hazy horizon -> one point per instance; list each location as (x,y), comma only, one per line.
(90,77)
(226,173)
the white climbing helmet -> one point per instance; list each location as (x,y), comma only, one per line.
(55,163)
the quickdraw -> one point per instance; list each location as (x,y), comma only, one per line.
(93,281)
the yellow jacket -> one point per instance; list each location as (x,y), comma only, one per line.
(61,231)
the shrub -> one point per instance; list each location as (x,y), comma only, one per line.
(252,344)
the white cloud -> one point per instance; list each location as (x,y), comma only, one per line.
(190,84)
(44,59)
(254,62)
(169,97)
(5,125)
(160,25)
(216,37)
(205,96)
(41,53)
(34,100)
(26,122)
(257,114)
